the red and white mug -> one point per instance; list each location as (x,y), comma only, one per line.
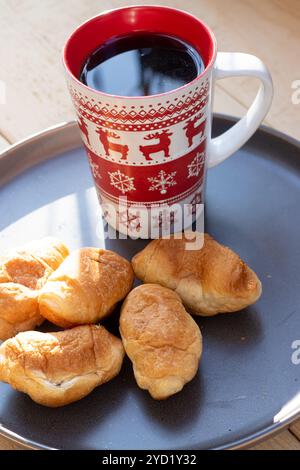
(151,152)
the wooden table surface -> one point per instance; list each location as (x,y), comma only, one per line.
(33,93)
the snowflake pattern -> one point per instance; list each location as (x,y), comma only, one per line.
(121,181)
(165,219)
(195,167)
(162,181)
(130,220)
(192,206)
(95,170)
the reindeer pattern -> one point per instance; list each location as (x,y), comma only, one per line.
(84,128)
(162,145)
(143,146)
(192,129)
(108,145)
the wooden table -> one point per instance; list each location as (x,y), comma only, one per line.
(32,35)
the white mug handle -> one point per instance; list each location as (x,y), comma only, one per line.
(233,64)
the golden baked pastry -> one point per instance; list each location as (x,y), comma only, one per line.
(55,369)
(23,272)
(210,280)
(32,264)
(18,309)
(162,340)
(86,287)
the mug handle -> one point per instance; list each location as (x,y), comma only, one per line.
(235,64)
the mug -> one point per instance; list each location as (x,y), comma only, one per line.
(149,154)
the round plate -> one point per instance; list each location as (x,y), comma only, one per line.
(246,378)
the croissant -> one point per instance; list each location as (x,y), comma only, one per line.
(32,264)
(210,280)
(162,340)
(56,369)
(86,287)
(23,272)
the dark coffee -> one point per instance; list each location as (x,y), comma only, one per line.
(141,64)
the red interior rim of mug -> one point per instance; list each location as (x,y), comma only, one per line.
(157,19)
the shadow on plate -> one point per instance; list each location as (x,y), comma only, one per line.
(76,422)
(114,404)
(180,410)
(233,331)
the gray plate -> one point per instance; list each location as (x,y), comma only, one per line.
(246,375)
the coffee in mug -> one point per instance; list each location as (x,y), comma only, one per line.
(142,81)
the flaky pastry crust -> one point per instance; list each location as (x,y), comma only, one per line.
(162,340)
(55,369)
(209,280)
(86,287)
(23,272)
